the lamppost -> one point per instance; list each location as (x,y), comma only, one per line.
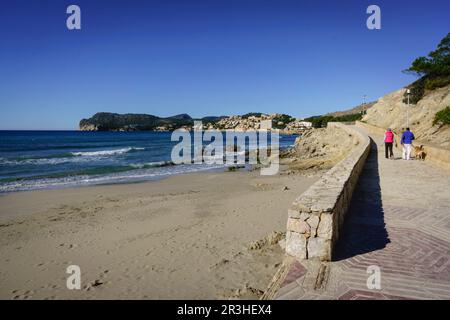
(364,105)
(408,93)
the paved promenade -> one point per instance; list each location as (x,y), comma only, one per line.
(399,220)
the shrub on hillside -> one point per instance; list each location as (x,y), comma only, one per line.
(280,121)
(321,121)
(442,117)
(348,117)
(251,114)
(438,82)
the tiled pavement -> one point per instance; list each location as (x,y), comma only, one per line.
(399,220)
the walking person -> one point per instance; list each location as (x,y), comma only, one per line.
(388,142)
(407,139)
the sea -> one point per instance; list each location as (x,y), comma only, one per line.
(31,160)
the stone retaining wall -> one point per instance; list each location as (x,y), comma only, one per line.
(315,218)
(435,155)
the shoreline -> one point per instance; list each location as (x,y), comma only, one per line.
(127,182)
(187,236)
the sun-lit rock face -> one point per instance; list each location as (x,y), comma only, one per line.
(320,149)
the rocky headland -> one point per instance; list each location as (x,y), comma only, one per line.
(319,149)
(106,121)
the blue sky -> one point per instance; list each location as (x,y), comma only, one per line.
(204,57)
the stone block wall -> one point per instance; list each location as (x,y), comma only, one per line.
(316,217)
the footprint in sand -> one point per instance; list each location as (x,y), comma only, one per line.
(263,186)
(93,284)
(22,295)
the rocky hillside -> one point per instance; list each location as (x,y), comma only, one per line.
(319,149)
(357,109)
(106,121)
(390,112)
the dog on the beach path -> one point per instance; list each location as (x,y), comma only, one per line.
(419,152)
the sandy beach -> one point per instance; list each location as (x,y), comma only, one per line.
(193,236)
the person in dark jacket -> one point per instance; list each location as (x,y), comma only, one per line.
(406,142)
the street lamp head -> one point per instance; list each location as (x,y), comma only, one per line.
(408,91)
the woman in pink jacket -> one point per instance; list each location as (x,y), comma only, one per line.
(388,142)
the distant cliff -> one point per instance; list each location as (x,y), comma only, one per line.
(106,121)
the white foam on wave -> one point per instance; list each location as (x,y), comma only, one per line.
(71,157)
(103,153)
(43,161)
(151,164)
